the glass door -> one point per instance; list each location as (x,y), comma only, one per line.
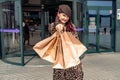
(11,31)
(105,29)
(100,29)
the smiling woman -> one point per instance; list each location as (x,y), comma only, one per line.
(63,47)
(63,19)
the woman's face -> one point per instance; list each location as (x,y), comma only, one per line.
(63,17)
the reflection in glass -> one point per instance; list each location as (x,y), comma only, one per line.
(10,29)
(105,30)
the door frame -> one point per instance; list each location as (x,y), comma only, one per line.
(98,8)
(19,13)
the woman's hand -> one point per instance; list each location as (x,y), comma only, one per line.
(59,27)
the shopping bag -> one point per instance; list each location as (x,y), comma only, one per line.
(59,57)
(46,48)
(63,50)
(70,49)
(77,44)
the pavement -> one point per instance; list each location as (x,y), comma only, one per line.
(96,66)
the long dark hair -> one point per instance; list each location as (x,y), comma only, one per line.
(69,25)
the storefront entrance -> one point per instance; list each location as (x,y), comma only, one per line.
(96,24)
(12,37)
(100,29)
(11,31)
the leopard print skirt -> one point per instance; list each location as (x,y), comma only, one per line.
(73,73)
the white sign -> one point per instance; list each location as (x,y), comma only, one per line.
(118,14)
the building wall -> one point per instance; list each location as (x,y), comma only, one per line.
(0,47)
(118,30)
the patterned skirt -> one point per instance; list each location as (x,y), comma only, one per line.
(73,73)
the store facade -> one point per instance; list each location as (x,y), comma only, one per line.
(96,20)
(117,26)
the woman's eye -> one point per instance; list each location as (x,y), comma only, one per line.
(64,15)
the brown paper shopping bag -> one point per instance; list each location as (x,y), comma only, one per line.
(70,50)
(63,50)
(46,48)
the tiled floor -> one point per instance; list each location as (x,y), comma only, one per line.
(96,66)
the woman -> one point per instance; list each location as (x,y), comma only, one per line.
(63,23)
